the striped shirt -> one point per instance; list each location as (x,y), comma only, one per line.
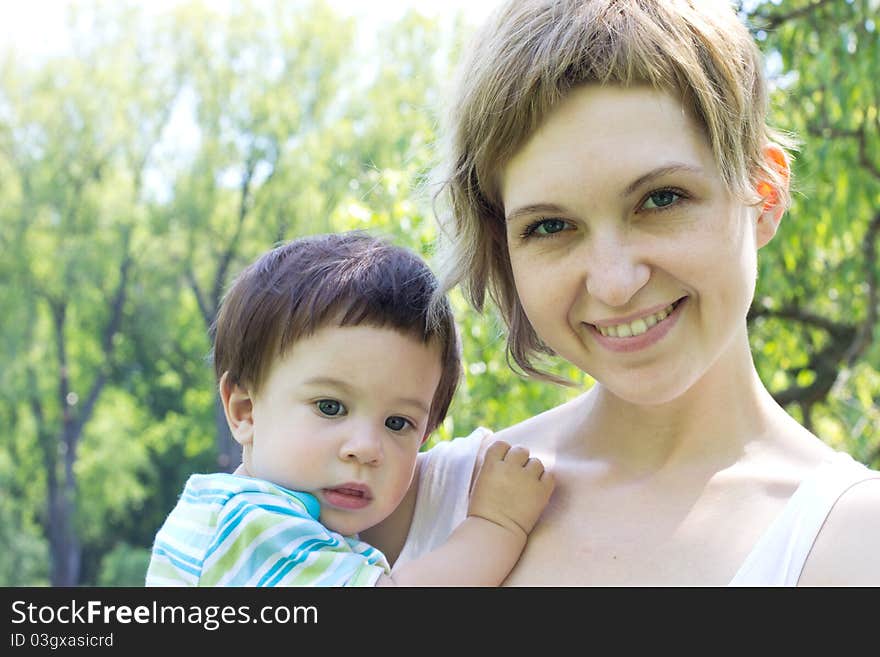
(228,530)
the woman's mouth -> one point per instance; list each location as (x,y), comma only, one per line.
(639,326)
(639,333)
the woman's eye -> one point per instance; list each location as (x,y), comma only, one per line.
(660,199)
(330,407)
(545,228)
(396,423)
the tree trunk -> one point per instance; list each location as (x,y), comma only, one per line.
(64,546)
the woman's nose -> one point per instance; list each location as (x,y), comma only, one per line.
(362,444)
(614,271)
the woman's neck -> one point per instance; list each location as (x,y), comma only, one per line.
(711,425)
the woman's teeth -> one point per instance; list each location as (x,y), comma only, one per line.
(637,327)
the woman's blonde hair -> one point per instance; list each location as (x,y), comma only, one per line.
(527,57)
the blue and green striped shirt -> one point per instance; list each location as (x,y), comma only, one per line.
(228,530)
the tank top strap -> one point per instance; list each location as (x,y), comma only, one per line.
(780,554)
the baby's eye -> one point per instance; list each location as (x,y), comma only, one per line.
(330,407)
(396,423)
(544,228)
(660,199)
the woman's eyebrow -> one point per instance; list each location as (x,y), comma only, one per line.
(659,172)
(536,208)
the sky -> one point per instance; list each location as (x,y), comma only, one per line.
(38,25)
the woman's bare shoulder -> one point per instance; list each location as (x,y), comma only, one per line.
(538,433)
(847,550)
(541,430)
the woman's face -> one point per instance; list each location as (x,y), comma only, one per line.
(631,258)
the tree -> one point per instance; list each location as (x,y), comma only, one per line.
(814,319)
(76,153)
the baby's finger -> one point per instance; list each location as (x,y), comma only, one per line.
(517,455)
(535,467)
(496,451)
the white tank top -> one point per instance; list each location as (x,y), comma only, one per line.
(777,559)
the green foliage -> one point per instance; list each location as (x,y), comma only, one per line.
(110,467)
(124,565)
(24,559)
(817,266)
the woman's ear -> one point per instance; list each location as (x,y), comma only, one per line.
(772,193)
(239,408)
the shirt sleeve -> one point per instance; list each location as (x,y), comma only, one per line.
(442,498)
(258,543)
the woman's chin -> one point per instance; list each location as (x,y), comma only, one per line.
(645,393)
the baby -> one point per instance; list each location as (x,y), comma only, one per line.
(331,377)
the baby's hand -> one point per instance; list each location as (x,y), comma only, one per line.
(511,489)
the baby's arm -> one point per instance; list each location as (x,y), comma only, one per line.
(510,492)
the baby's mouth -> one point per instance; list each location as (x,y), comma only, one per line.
(353,492)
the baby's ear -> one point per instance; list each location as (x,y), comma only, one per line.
(239,408)
(772,192)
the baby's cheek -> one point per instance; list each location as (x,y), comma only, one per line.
(401,480)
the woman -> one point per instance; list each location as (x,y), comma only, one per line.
(611,180)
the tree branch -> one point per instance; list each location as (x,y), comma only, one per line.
(825,364)
(847,343)
(864,336)
(40,419)
(59,318)
(826,131)
(200,297)
(231,247)
(864,158)
(110,331)
(835,329)
(773,21)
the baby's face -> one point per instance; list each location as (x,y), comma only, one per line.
(342,416)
